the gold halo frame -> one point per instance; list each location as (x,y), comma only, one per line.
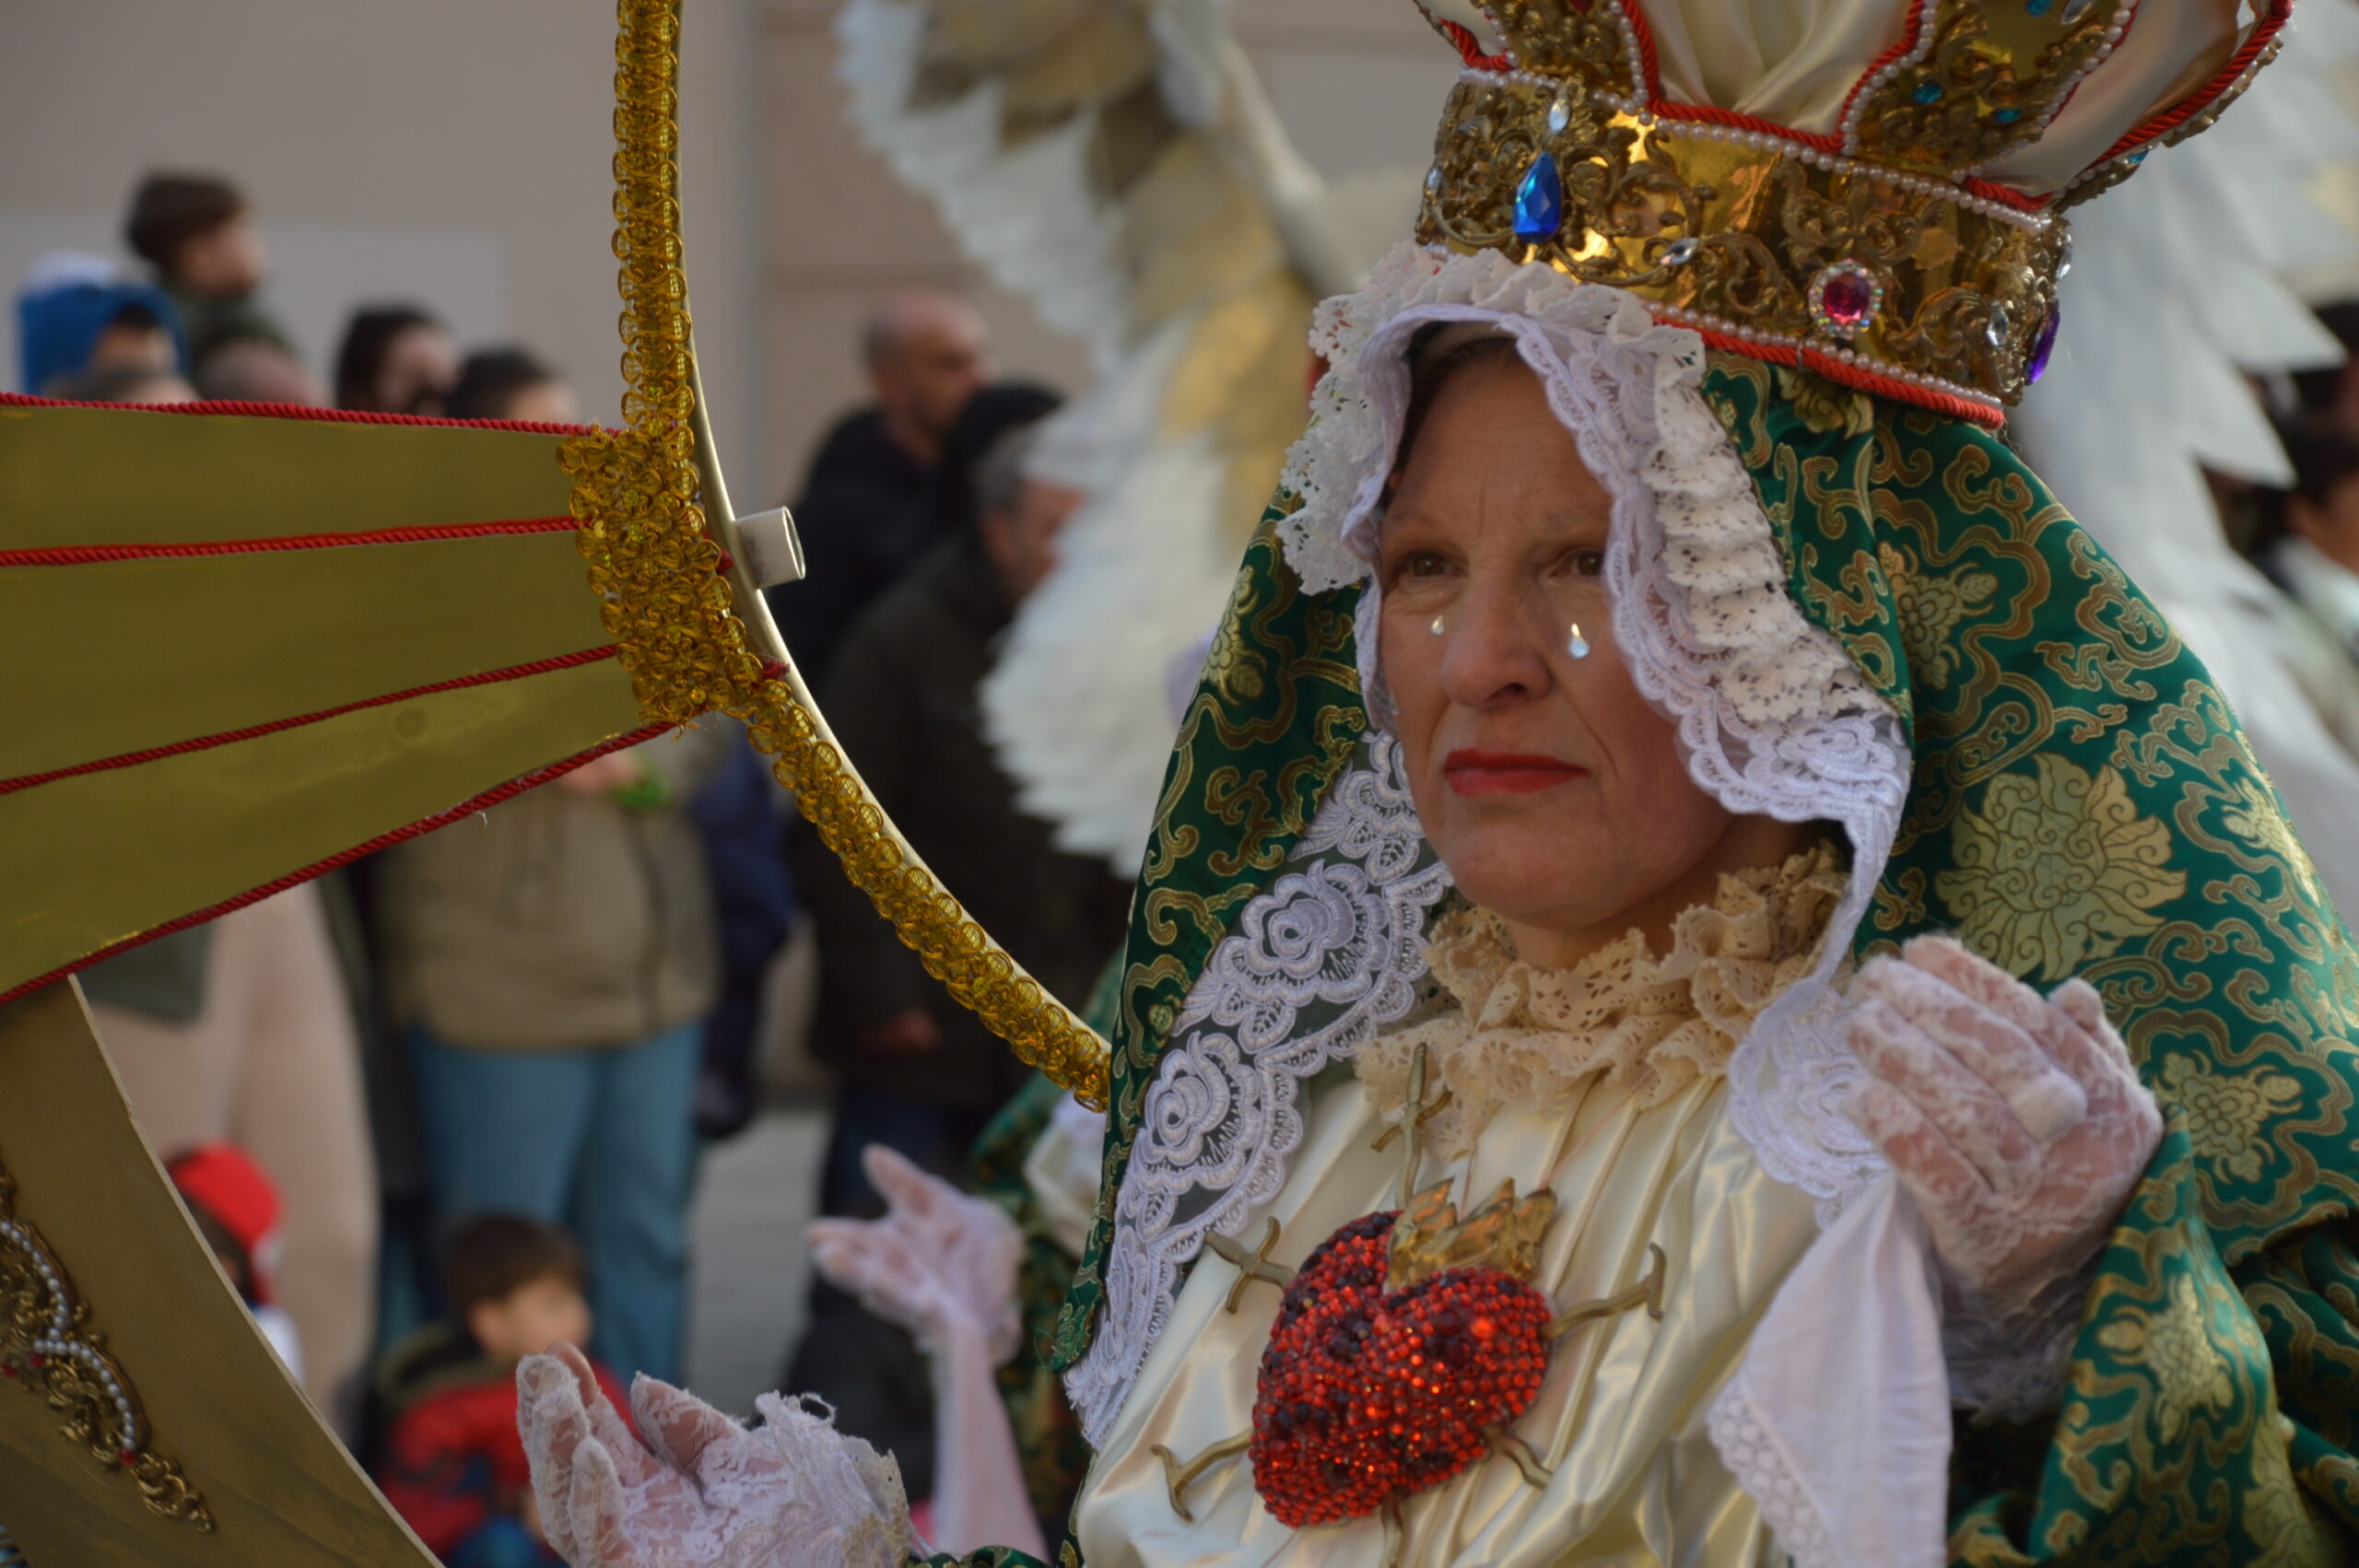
(677,594)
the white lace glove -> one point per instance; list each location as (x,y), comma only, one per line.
(2017,1123)
(702,1492)
(937,1261)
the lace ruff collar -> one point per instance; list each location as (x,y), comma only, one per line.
(1526,1036)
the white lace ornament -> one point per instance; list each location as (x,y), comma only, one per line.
(702,1492)
(1324,958)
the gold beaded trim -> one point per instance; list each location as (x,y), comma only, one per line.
(1741,232)
(48,1346)
(665,599)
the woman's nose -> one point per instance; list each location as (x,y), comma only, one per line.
(1496,649)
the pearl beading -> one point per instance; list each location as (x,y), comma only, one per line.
(59,1342)
(2203,121)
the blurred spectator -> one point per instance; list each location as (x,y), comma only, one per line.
(552,961)
(239,1031)
(919,1072)
(199,235)
(508,383)
(124,383)
(395,359)
(236,1210)
(2310,545)
(864,516)
(738,816)
(252,370)
(75,314)
(453,1464)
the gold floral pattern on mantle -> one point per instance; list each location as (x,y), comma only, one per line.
(49,1347)
(2057,868)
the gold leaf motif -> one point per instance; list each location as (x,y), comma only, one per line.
(1504,1235)
(2228,1115)
(48,1347)
(2057,868)
(1932,605)
(2190,1376)
(2257,819)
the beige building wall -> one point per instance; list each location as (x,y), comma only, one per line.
(456,152)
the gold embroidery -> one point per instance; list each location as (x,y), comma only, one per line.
(2057,868)
(48,1345)
(2189,1373)
(2255,819)
(2228,1116)
(1932,607)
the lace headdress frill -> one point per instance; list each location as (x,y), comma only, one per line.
(1536,1037)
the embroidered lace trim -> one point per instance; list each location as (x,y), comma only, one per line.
(1748,1446)
(1328,954)
(1530,1037)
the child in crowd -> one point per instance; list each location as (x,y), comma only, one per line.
(453,1461)
(235,1210)
(199,235)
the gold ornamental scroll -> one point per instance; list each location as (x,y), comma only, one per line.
(231,1468)
(672,581)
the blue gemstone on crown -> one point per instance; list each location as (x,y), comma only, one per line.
(1928,92)
(1540,202)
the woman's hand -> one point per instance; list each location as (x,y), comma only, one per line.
(702,1492)
(2017,1122)
(937,1263)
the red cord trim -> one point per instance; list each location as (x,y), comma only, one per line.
(299,411)
(2264,32)
(95,555)
(1470,48)
(1851,375)
(230,737)
(491,797)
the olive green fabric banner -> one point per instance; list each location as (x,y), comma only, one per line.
(235,647)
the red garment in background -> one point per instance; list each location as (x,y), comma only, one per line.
(454,1458)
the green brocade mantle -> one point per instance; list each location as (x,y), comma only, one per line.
(2084,803)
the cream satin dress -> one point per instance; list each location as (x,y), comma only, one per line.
(1621,1420)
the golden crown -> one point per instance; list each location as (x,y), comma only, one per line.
(1898,249)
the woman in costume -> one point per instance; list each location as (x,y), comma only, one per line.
(1548,1124)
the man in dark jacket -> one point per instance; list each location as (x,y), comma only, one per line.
(917,1071)
(865,516)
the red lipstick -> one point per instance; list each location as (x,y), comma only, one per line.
(1505,773)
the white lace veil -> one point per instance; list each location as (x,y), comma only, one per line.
(1771,715)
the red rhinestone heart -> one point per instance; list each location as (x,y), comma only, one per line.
(1367,1394)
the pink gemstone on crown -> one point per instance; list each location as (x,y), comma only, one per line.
(1844,298)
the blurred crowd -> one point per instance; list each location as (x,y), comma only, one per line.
(445,1106)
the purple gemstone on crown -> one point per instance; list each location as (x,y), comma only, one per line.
(1540,202)
(2043,344)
